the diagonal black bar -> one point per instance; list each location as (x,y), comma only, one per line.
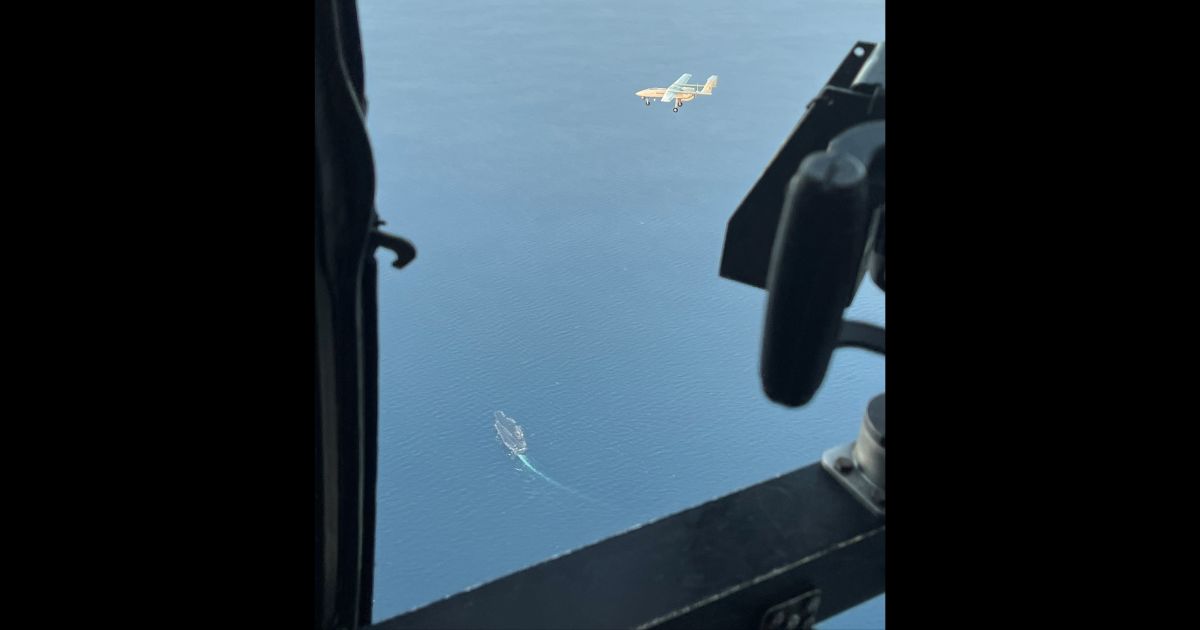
(722,564)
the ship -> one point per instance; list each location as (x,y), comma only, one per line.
(510,433)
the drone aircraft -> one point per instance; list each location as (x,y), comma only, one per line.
(680,91)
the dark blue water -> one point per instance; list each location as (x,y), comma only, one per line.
(569,239)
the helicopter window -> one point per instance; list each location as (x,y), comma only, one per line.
(569,236)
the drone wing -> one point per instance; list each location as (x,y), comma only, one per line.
(669,95)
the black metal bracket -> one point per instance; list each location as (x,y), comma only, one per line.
(853,95)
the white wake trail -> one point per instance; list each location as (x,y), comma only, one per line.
(531,467)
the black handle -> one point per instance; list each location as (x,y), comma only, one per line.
(813,273)
(404,251)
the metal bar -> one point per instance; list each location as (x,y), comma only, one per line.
(721,564)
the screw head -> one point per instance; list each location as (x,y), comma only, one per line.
(843,464)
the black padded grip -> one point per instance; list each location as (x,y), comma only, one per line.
(814,268)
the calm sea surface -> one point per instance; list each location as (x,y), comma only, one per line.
(568,242)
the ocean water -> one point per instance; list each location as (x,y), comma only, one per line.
(569,239)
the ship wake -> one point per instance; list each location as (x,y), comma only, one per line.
(513,437)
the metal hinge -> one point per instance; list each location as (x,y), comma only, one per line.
(860,466)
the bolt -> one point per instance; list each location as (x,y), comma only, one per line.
(844,465)
(793,621)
